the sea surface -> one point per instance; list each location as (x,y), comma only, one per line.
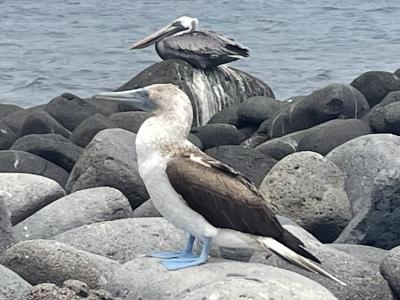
(81,46)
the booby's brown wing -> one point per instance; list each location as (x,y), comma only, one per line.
(226,198)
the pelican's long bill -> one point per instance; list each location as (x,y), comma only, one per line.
(153,38)
(139,98)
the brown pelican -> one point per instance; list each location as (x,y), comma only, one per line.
(206,198)
(202,49)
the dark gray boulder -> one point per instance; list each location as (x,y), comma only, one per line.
(208,90)
(397,73)
(309,189)
(321,138)
(386,119)
(87,129)
(52,147)
(25,194)
(70,110)
(57,263)
(247,132)
(6,109)
(251,162)
(12,286)
(361,159)
(195,141)
(40,122)
(336,101)
(16,120)
(109,107)
(7,136)
(110,160)
(213,135)
(6,236)
(255,110)
(12,161)
(131,120)
(375,85)
(390,269)
(146,210)
(363,280)
(77,209)
(228,115)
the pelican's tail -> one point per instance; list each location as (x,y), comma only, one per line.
(293,257)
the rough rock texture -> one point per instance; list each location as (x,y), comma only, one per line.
(16,120)
(6,109)
(70,110)
(390,269)
(310,190)
(7,136)
(40,122)
(229,115)
(209,91)
(195,141)
(87,129)
(146,210)
(371,255)
(131,120)
(39,261)
(12,286)
(255,110)
(250,162)
(337,101)
(110,160)
(378,222)
(146,279)
(6,237)
(109,107)
(321,138)
(213,135)
(13,161)
(386,119)
(77,209)
(52,147)
(363,280)
(375,85)
(361,159)
(25,194)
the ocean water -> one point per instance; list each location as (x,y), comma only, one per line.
(81,46)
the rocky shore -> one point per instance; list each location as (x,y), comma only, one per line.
(76,220)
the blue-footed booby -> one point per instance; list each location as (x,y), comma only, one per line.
(202,49)
(206,198)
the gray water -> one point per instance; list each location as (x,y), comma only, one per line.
(81,46)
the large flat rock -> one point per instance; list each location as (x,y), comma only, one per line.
(12,286)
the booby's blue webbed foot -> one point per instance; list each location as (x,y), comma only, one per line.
(186,262)
(185,253)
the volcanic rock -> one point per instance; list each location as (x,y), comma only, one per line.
(41,122)
(131,120)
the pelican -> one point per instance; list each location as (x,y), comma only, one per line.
(202,49)
(204,197)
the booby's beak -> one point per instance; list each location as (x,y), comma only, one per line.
(158,36)
(139,98)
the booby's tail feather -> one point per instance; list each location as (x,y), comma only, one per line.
(290,255)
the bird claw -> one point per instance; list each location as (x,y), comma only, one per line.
(182,262)
(170,254)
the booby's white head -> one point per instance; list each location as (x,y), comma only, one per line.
(179,26)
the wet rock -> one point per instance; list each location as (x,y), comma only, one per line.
(377,223)
(25,194)
(375,85)
(23,162)
(6,109)
(41,122)
(131,120)
(88,128)
(146,210)
(52,147)
(209,91)
(77,209)
(6,237)
(12,286)
(7,136)
(387,118)
(310,190)
(361,159)
(255,110)
(213,135)
(70,110)
(336,101)
(229,115)
(57,263)
(251,162)
(390,269)
(371,255)
(321,138)
(110,160)
(363,280)
(214,280)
